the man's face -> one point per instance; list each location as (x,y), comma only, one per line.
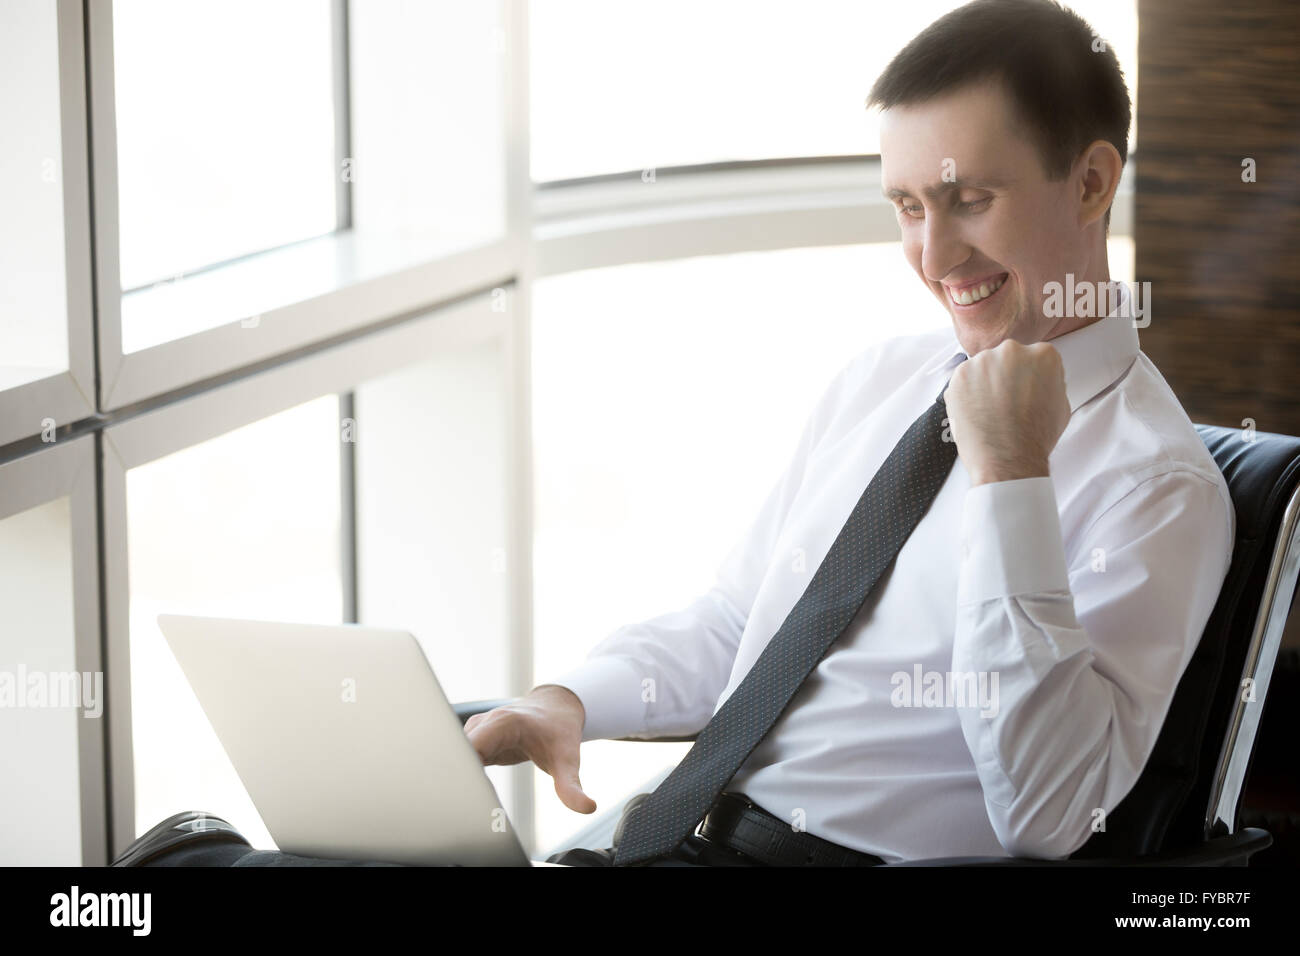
(976,209)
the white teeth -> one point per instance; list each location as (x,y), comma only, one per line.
(969,296)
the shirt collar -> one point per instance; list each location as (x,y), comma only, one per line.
(1093,356)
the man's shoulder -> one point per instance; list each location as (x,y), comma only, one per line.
(1137,435)
(1172,441)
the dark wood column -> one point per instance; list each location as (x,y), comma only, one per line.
(1219,83)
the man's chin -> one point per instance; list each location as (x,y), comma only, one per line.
(986,331)
(976,339)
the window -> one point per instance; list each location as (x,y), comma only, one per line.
(46,339)
(52,691)
(433,522)
(33,298)
(225,131)
(39,722)
(291,300)
(245,525)
(622,86)
(407,184)
(239,501)
(305,170)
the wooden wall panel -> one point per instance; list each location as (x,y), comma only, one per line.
(1217,83)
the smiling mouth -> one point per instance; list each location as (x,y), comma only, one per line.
(973,295)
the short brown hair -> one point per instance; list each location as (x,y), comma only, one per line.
(1065,82)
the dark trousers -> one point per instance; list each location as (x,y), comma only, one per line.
(213,853)
(694,851)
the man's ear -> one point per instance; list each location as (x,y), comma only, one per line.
(1099,170)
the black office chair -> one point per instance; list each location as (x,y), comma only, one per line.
(1184,808)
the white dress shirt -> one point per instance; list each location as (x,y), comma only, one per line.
(1064,607)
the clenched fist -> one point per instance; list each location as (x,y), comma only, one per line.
(1007,408)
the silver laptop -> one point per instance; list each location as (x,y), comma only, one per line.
(345,742)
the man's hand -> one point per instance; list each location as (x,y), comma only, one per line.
(545,727)
(1007,408)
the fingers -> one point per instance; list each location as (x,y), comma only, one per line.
(505,736)
(569,788)
(491,739)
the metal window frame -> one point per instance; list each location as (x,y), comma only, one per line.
(66,469)
(342,59)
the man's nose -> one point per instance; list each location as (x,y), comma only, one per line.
(944,247)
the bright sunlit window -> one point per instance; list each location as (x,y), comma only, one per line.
(225,130)
(33,295)
(628,86)
(39,744)
(245,525)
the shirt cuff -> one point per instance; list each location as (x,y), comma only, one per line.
(610,691)
(1011,541)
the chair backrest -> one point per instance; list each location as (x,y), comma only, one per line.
(1170,805)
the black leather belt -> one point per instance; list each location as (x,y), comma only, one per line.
(736,822)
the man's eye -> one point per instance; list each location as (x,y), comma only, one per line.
(975,204)
(912,211)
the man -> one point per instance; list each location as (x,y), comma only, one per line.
(1069,562)
(975,654)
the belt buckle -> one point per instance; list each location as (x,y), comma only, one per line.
(739,797)
(710,812)
(730,815)
(722,798)
(721,813)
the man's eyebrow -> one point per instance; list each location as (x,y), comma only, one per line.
(932,192)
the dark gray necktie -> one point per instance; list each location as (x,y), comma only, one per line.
(896,498)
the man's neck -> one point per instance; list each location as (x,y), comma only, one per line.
(1099,279)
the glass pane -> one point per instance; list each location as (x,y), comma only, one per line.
(428,133)
(431,520)
(40,691)
(33,292)
(225,130)
(244,525)
(622,86)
